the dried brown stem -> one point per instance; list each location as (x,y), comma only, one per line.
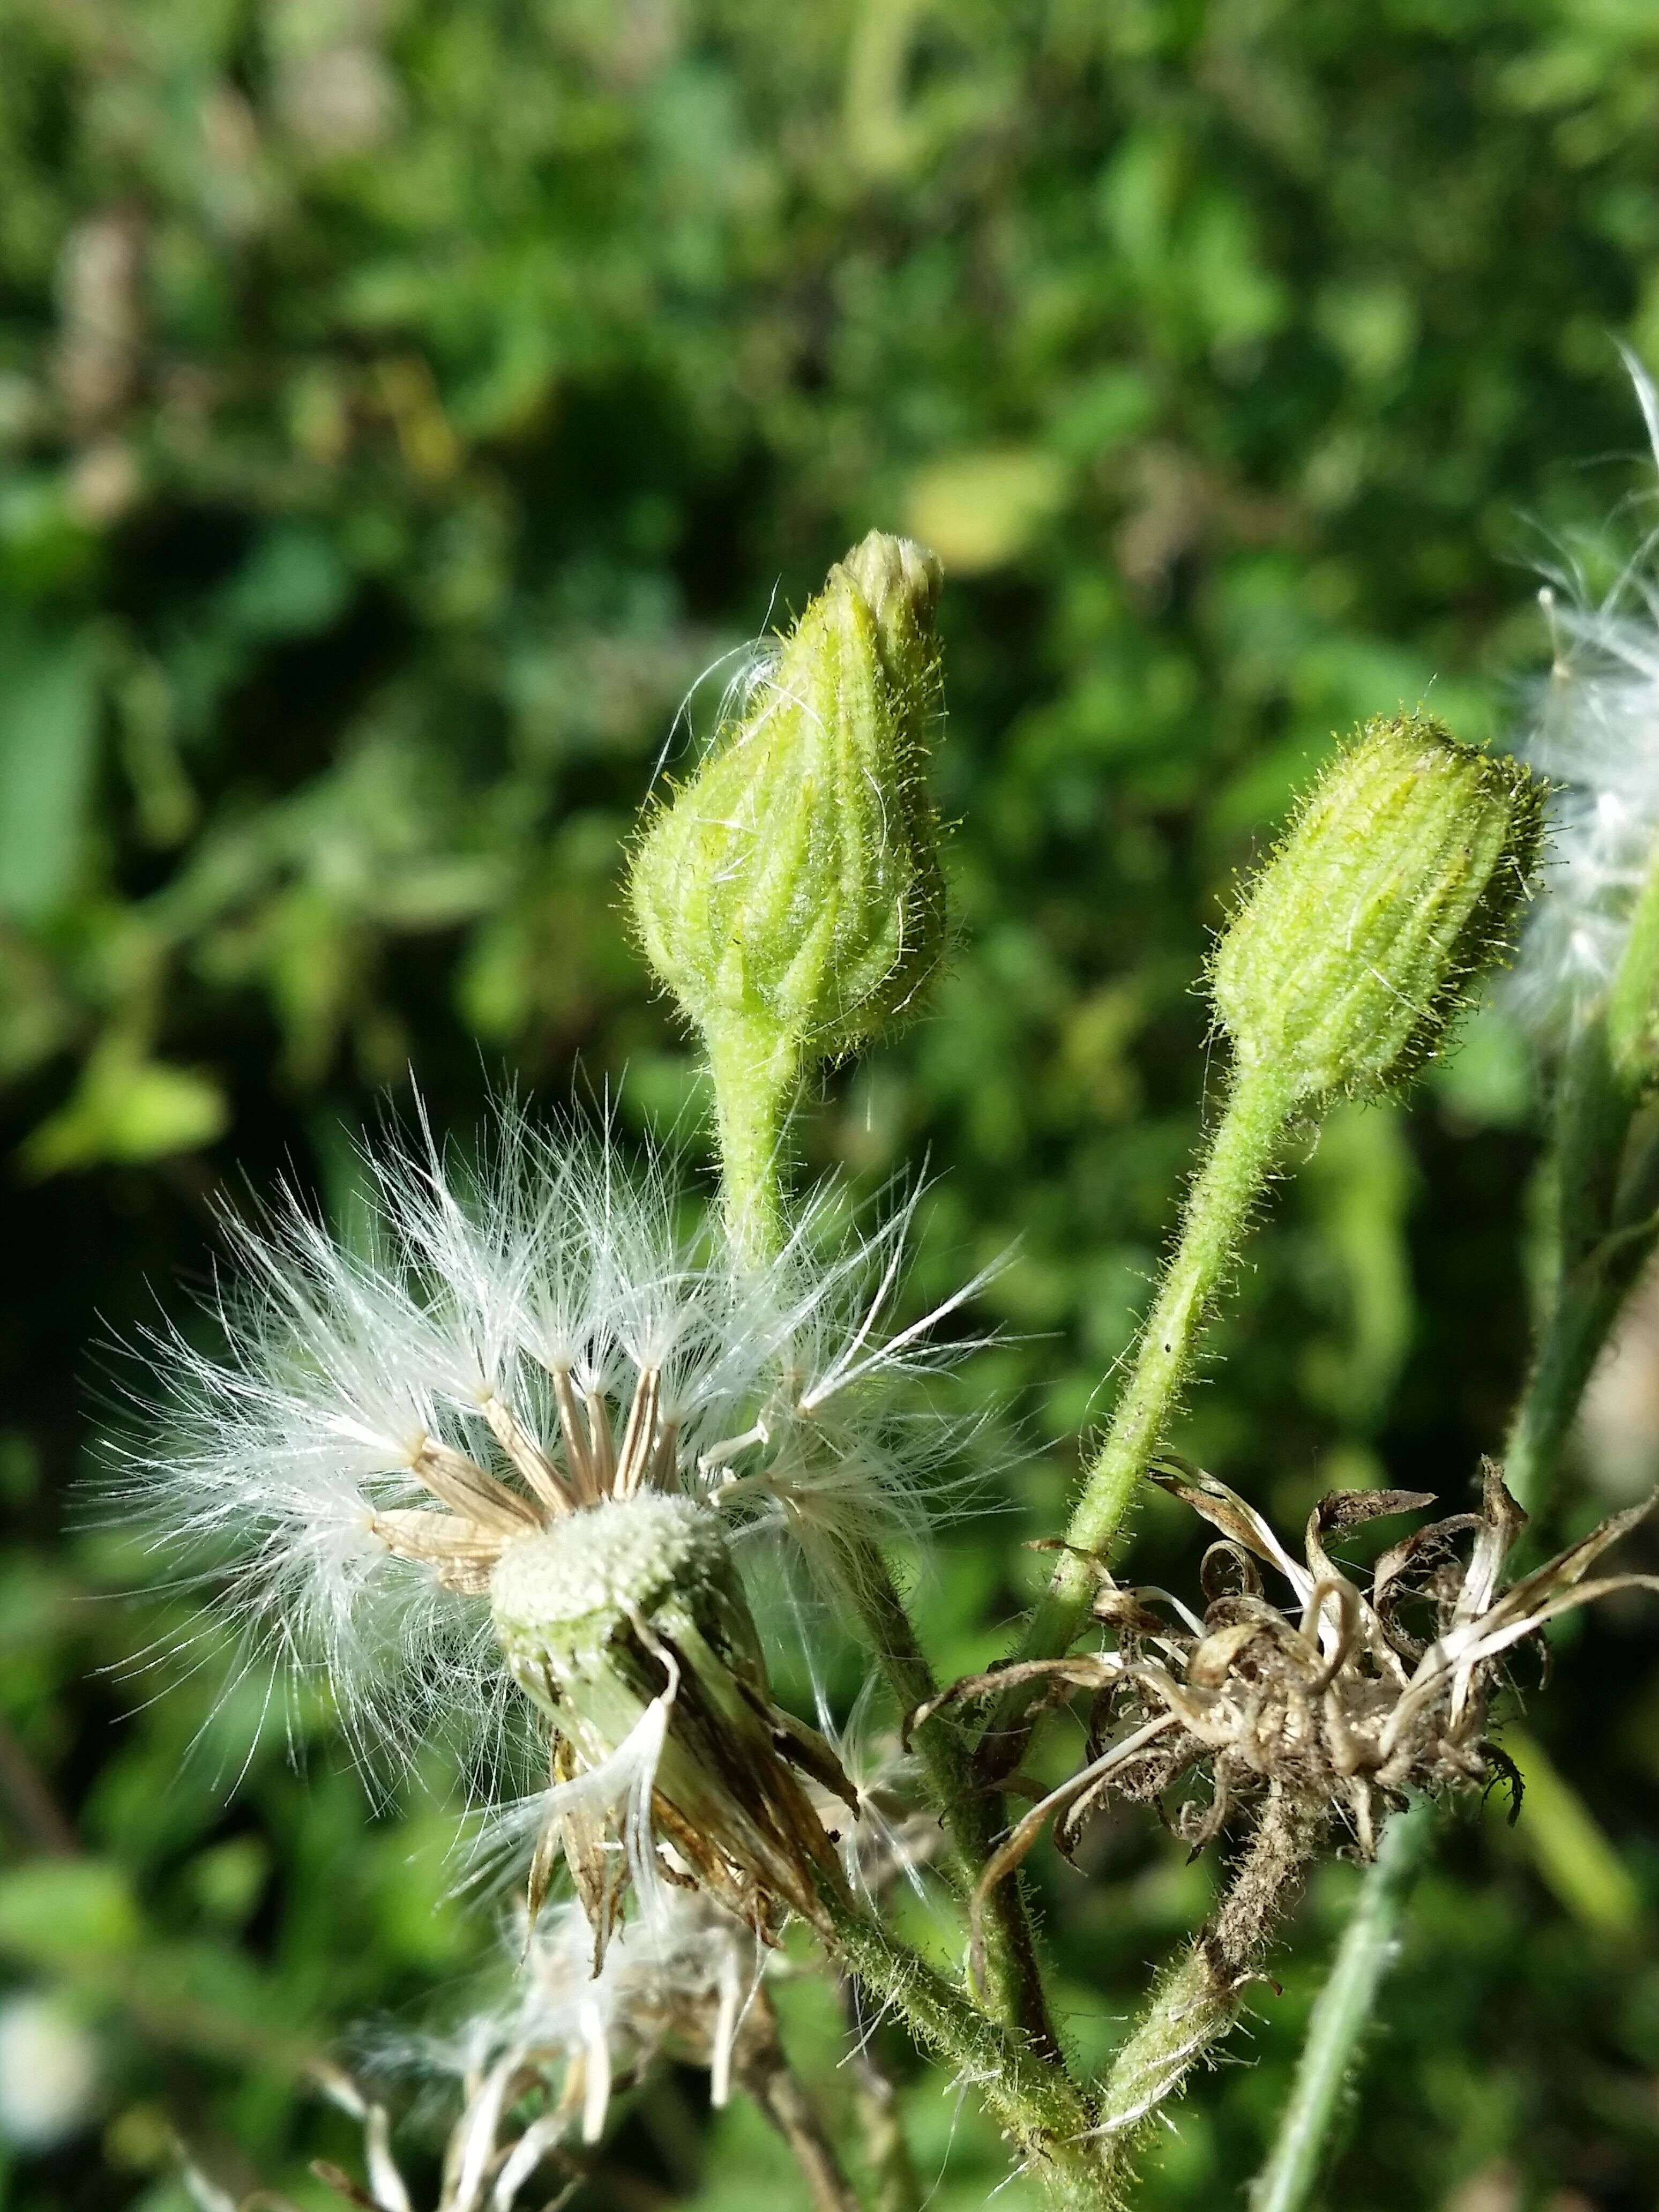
(764,2070)
(1199,2001)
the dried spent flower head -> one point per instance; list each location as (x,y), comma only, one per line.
(1354,948)
(500,1472)
(1362,1688)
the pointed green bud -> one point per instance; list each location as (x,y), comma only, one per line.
(1396,886)
(793,885)
(1633,996)
(789,894)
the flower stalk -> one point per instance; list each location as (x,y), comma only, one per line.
(1227,1187)
(755,1078)
(1341,2014)
(1604,1225)
(1199,1999)
(1342,969)
(1050,2119)
(1013,1976)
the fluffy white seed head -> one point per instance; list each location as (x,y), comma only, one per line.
(679,1981)
(517,1344)
(1595,734)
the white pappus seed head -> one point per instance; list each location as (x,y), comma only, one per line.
(539,2057)
(1594,733)
(516,1441)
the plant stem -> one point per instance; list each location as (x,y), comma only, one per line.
(1197,2000)
(1016,1992)
(1032,2099)
(754,1073)
(1341,2014)
(1579,1325)
(1607,1163)
(753,1083)
(1226,1187)
(765,2072)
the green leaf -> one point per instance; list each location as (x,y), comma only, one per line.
(128,1107)
(66,1911)
(48,729)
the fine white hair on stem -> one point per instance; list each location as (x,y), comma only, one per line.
(514,1337)
(1593,732)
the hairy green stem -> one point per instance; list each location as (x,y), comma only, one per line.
(1032,2099)
(1218,1209)
(1604,1225)
(1579,1325)
(1340,2014)
(1016,1991)
(753,1086)
(754,1076)
(1197,2000)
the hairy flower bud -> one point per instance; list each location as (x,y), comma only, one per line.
(626,1623)
(792,886)
(1395,888)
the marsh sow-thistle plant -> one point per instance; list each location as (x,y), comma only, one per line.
(515,1468)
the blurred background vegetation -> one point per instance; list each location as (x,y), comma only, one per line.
(402,403)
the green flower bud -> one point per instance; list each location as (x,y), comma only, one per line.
(792,887)
(1395,887)
(1633,996)
(636,1601)
(789,895)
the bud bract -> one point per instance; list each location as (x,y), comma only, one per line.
(789,894)
(1395,888)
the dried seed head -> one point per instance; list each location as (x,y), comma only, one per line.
(1361,1688)
(1394,889)
(626,1623)
(789,895)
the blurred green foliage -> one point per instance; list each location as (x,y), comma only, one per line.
(402,403)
